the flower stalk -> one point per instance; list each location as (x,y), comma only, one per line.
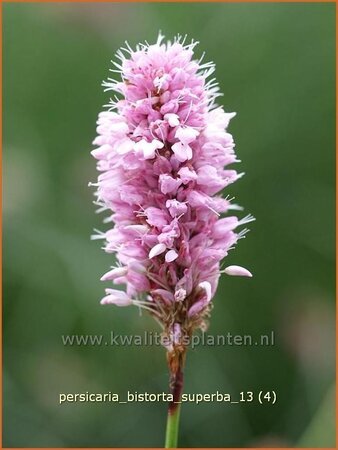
(162,150)
(174,408)
(171,436)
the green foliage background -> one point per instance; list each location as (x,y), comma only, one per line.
(275,65)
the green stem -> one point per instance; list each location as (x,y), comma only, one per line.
(176,385)
(171,435)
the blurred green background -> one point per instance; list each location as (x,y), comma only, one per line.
(275,65)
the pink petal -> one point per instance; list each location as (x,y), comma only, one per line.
(171,255)
(196,308)
(237,271)
(175,207)
(156,217)
(186,134)
(157,250)
(116,297)
(172,119)
(148,148)
(169,184)
(114,273)
(182,151)
(187,175)
(167,296)
(206,286)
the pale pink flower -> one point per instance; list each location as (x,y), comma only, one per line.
(162,148)
(237,271)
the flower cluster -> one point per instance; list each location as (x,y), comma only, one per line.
(162,149)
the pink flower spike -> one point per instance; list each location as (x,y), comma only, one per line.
(163,154)
(237,271)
